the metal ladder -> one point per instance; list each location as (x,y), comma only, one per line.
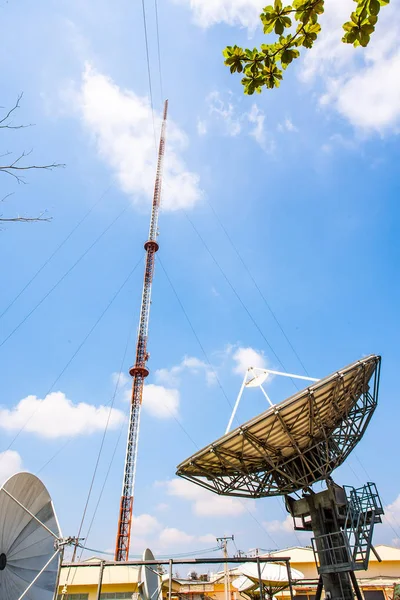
(364,509)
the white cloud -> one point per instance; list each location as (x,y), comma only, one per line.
(161,402)
(162,399)
(120,379)
(257,117)
(287,125)
(145,525)
(360,84)
(205,503)
(192,364)
(208,538)
(368,105)
(276,526)
(122,385)
(284,534)
(148,531)
(211,377)
(56,416)
(171,536)
(235,122)
(225,111)
(206,13)
(392,513)
(248,357)
(121,124)
(336,140)
(10,463)
(201,127)
(258,132)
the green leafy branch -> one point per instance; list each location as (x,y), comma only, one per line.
(264,67)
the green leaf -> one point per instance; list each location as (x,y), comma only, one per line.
(351,37)
(260,65)
(354,18)
(361,12)
(286,58)
(279,27)
(348,26)
(368,29)
(374,7)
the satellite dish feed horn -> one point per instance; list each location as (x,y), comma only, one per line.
(255,377)
(30,540)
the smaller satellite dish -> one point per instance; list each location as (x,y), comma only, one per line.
(149,579)
(28,532)
(257,379)
(272,574)
(243,583)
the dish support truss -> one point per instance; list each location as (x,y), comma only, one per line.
(281,475)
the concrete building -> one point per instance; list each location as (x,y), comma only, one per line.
(121,582)
(82,581)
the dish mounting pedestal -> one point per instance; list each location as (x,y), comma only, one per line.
(342,520)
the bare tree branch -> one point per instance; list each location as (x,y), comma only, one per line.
(25,219)
(3,121)
(15,167)
(6,196)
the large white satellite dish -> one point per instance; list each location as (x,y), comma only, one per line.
(149,579)
(29,540)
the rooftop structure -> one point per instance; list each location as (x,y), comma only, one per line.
(121,582)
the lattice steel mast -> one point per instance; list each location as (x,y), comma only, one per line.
(139,371)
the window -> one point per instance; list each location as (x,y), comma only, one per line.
(373,595)
(116,596)
(301,596)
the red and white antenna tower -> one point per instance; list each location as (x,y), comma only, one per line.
(139,371)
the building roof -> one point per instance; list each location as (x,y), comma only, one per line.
(386,553)
(305,554)
(297,554)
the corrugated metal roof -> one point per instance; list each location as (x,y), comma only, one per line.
(297,554)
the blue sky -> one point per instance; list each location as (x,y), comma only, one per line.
(305,181)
